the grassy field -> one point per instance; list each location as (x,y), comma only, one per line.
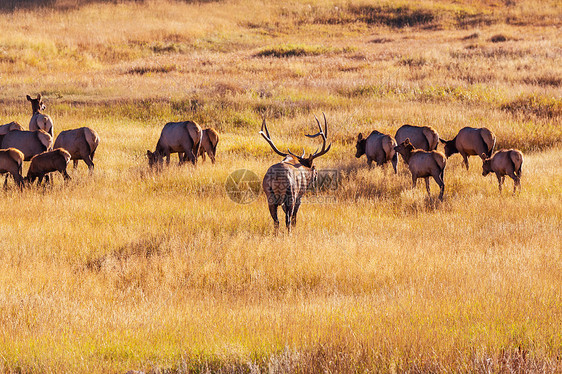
(161,272)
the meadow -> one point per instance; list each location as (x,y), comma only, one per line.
(129,269)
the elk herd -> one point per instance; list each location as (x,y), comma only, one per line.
(37,146)
(284,183)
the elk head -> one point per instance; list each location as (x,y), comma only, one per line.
(307,162)
(36,104)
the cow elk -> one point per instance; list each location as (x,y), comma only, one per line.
(377,147)
(81,143)
(421,137)
(209,142)
(471,141)
(502,163)
(48,162)
(39,121)
(424,164)
(286,182)
(183,138)
(11,161)
(30,143)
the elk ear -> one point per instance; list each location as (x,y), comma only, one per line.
(442,140)
(359,137)
(38,96)
(148,153)
(28,97)
(407,141)
(483,156)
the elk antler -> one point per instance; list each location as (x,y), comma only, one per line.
(267,138)
(324,134)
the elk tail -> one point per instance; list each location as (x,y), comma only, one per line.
(517,159)
(92,139)
(440,159)
(489,140)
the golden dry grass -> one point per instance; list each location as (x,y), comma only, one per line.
(129,269)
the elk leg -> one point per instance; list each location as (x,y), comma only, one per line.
(438,177)
(515,178)
(273,212)
(202,154)
(369,162)
(75,164)
(427,185)
(381,159)
(414,180)
(6,182)
(65,174)
(395,162)
(465,160)
(212,157)
(288,208)
(189,155)
(295,210)
(500,181)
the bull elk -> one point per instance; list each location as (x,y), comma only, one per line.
(286,182)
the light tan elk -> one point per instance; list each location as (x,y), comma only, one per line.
(470,141)
(504,162)
(209,143)
(39,121)
(30,143)
(48,162)
(421,137)
(81,143)
(377,147)
(286,182)
(424,164)
(183,138)
(11,161)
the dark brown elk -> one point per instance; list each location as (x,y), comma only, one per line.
(286,182)
(424,164)
(377,147)
(12,126)
(48,162)
(30,143)
(502,163)
(81,143)
(11,161)
(183,138)
(421,137)
(39,121)
(209,142)
(470,141)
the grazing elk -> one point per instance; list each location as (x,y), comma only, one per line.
(81,143)
(421,137)
(177,137)
(30,143)
(286,182)
(209,141)
(39,121)
(11,161)
(48,162)
(424,164)
(470,141)
(504,162)
(378,147)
